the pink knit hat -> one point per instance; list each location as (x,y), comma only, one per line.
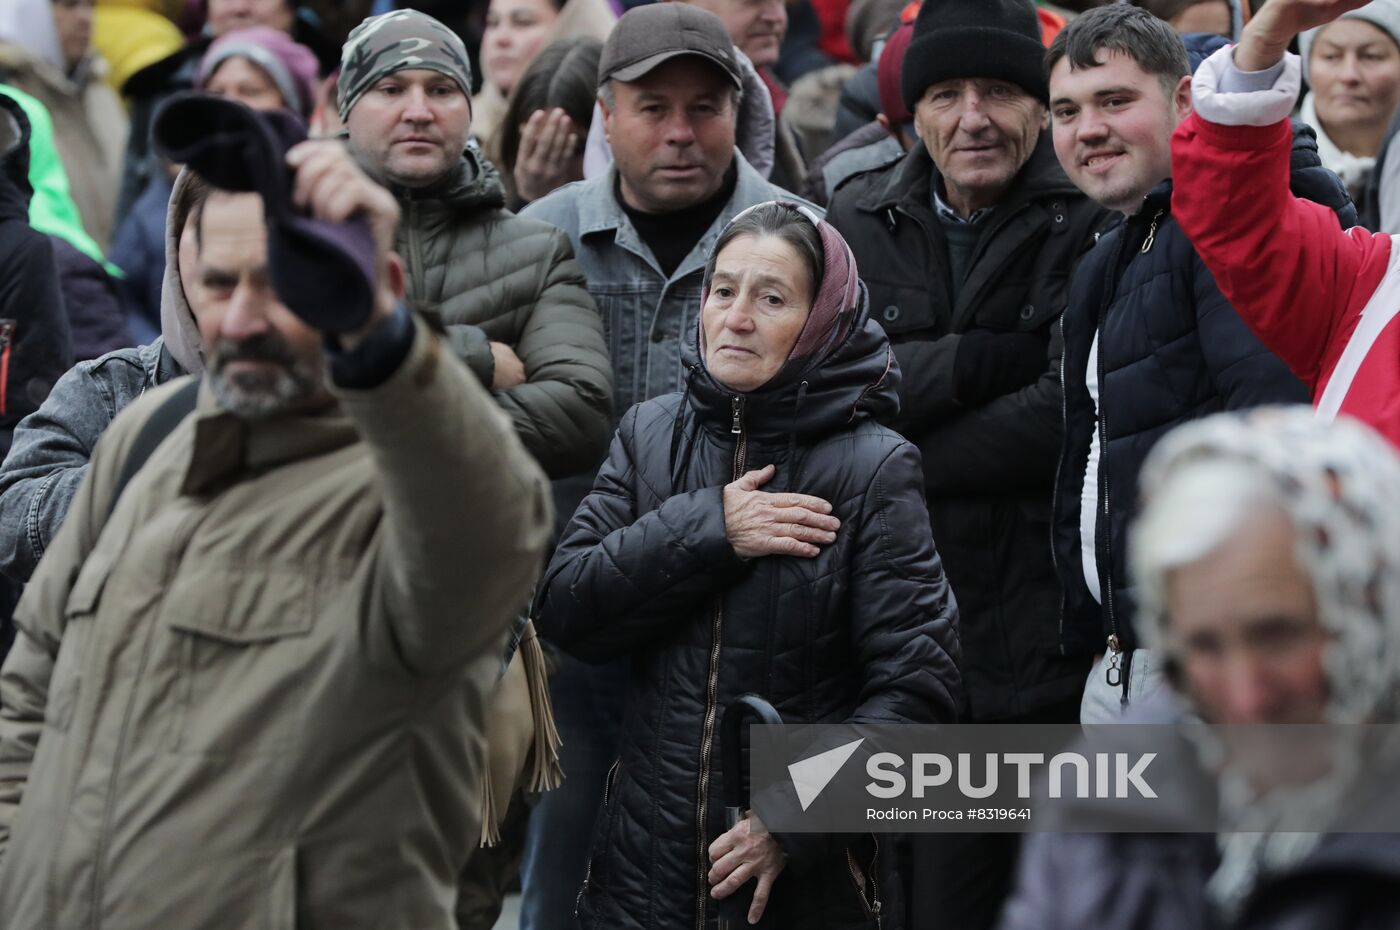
(290,65)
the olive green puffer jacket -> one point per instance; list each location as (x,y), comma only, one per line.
(491,276)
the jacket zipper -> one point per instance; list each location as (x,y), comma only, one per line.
(1064,431)
(7,338)
(1114,675)
(588,870)
(873,905)
(702,800)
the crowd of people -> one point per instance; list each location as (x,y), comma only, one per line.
(422,420)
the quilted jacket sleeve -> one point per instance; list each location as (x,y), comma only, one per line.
(904,619)
(619,578)
(563,411)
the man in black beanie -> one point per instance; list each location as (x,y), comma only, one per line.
(966,244)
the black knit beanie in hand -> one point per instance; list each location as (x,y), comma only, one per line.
(324,272)
(975,39)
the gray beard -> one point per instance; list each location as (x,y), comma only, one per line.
(258,398)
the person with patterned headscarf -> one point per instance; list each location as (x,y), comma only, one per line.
(1267,555)
(759,531)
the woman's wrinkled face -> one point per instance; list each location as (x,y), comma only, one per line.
(515,31)
(1355,72)
(759,299)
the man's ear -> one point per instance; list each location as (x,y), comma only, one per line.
(1181,100)
(607,119)
(394,276)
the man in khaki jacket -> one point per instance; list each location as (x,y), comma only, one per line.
(252,697)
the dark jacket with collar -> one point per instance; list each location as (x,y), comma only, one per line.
(864,632)
(35,343)
(989,465)
(1171,349)
(35,340)
(490,276)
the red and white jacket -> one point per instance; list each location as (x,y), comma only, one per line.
(1325,301)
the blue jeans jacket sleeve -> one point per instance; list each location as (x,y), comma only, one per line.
(51,448)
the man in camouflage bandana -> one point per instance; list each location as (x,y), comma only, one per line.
(398,41)
(515,308)
(400,55)
(525,324)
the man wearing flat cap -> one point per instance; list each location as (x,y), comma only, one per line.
(966,245)
(669,86)
(506,289)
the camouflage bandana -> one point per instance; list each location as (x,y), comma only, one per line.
(398,41)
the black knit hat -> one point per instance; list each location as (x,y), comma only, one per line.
(975,39)
(324,272)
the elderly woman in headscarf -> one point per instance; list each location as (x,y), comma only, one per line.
(760,532)
(1268,559)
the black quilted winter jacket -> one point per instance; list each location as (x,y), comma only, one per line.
(866,631)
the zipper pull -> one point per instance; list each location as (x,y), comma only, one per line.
(1113,675)
(737,403)
(1151,234)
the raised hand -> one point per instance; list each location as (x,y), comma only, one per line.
(331,187)
(758,523)
(1278,21)
(549,147)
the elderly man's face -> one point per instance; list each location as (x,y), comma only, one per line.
(410,128)
(227,15)
(1246,624)
(756,26)
(672,134)
(262,359)
(979,133)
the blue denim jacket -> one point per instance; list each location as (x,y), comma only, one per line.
(52,446)
(645,314)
